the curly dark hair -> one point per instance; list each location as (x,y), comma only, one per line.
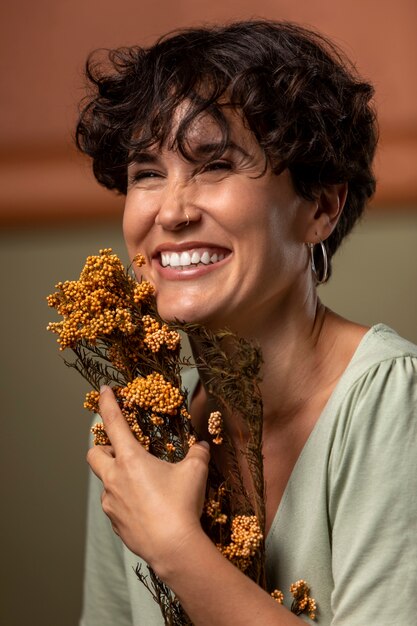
(301,97)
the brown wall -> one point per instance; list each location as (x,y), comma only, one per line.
(44,45)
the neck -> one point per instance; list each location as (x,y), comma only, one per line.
(304,354)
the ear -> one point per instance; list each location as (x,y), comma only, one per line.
(328,210)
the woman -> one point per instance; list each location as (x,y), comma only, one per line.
(245,153)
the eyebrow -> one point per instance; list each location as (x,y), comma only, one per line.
(201,150)
(143,156)
(210,148)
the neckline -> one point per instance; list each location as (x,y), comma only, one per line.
(373,330)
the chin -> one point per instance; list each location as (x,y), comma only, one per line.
(182,312)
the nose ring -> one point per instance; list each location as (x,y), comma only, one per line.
(188,220)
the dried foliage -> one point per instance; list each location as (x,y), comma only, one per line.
(110,322)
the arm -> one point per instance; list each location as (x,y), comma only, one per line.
(373,502)
(155,507)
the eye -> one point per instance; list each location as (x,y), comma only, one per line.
(215,166)
(135,177)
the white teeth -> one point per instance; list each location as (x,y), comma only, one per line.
(186,259)
(174,260)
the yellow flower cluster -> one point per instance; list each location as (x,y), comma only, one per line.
(157,335)
(139,260)
(302,600)
(185,414)
(213,510)
(152,392)
(144,440)
(215,426)
(278,596)
(96,304)
(91,401)
(191,440)
(101,438)
(100,435)
(142,292)
(246,538)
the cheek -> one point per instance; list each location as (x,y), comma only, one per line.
(134,226)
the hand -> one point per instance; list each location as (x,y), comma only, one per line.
(154,506)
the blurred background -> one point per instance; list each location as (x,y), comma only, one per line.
(53,215)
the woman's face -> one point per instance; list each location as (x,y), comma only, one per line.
(241,254)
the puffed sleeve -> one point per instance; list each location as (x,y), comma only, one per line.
(373,500)
(106,598)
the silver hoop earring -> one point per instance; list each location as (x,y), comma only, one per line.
(323,278)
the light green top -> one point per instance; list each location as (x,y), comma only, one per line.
(347,522)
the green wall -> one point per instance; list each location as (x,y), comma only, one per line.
(44,428)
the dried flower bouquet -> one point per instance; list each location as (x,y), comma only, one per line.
(110,322)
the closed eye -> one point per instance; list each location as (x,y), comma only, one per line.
(134,177)
(214,166)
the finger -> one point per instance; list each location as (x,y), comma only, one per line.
(199,452)
(116,427)
(99,459)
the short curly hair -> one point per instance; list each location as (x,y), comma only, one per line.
(302,98)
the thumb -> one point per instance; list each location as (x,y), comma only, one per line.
(197,460)
(200,450)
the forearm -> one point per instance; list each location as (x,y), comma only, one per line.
(213,592)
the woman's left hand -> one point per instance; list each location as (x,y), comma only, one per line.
(154,506)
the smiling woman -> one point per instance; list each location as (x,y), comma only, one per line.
(245,154)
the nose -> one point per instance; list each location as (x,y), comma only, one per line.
(177,207)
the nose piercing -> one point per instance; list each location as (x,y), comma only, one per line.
(188,220)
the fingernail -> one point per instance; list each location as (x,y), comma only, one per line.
(204,443)
(104,388)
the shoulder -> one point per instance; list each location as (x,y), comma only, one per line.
(374,410)
(382,371)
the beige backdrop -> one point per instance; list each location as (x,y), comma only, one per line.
(53,217)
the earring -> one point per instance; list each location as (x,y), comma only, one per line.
(325,273)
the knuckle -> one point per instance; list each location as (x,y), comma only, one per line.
(105,504)
(90,455)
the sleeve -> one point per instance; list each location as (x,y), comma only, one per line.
(106,597)
(373,500)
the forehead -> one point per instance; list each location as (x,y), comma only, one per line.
(204,127)
(197,134)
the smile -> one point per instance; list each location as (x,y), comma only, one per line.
(190,258)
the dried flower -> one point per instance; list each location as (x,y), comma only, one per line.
(152,392)
(100,436)
(213,510)
(91,401)
(215,426)
(278,596)
(302,602)
(157,335)
(96,305)
(246,538)
(110,322)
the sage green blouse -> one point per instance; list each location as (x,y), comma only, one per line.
(347,522)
